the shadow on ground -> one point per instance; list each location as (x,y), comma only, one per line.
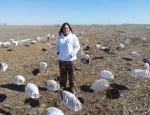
(32,102)
(19,88)
(86,88)
(2,97)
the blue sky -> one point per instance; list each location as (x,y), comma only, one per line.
(46,12)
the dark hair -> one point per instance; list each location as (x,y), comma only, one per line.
(61,29)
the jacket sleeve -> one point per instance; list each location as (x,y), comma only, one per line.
(57,48)
(76,47)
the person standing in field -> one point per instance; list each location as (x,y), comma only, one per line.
(67,45)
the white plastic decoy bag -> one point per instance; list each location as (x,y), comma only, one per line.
(100,85)
(105,74)
(32,90)
(52,85)
(18,80)
(43,65)
(53,111)
(3,66)
(70,101)
(139,73)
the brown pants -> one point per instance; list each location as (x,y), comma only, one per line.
(66,67)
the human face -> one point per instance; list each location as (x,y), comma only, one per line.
(66,30)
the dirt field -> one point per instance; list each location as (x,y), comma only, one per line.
(127,95)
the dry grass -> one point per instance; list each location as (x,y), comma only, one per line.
(128,95)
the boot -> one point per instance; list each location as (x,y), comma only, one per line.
(72,90)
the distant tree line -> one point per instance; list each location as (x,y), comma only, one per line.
(4,24)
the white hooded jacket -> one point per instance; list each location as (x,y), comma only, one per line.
(67,46)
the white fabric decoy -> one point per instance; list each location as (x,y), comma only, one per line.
(143,39)
(120,46)
(3,67)
(48,45)
(138,73)
(32,41)
(105,74)
(15,43)
(52,85)
(102,48)
(18,80)
(80,53)
(32,90)
(127,41)
(53,35)
(1,44)
(53,111)
(43,65)
(136,53)
(11,41)
(70,101)
(6,44)
(97,46)
(100,85)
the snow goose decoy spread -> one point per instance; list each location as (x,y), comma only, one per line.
(3,67)
(53,111)
(32,90)
(105,74)
(138,73)
(18,80)
(100,85)
(70,101)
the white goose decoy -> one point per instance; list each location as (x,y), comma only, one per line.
(1,44)
(32,90)
(53,111)
(105,74)
(43,65)
(138,73)
(136,53)
(86,60)
(15,43)
(48,36)
(100,85)
(53,35)
(127,41)
(3,67)
(80,53)
(70,101)
(97,46)
(18,80)
(120,46)
(143,39)
(52,85)
(32,41)
(11,41)
(48,46)
(102,48)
